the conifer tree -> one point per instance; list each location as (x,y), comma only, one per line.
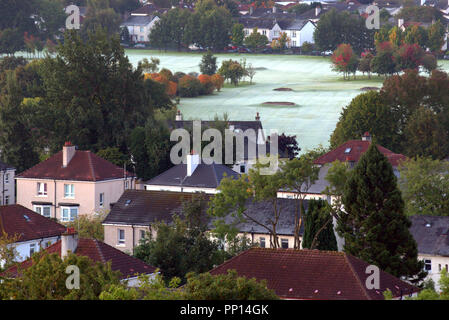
(375,228)
(317,224)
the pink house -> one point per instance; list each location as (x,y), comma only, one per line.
(70,183)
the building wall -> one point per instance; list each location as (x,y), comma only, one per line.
(437,264)
(306,34)
(7,187)
(179,189)
(111,236)
(86,194)
(136,34)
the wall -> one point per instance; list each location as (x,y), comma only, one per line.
(8,188)
(434,274)
(111,236)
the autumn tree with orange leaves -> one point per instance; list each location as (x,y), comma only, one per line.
(345,60)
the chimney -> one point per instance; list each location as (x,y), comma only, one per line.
(69,242)
(366,136)
(251,10)
(257,116)
(274,9)
(400,22)
(318,10)
(68,151)
(178,115)
(192,162)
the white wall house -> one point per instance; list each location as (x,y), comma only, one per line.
(139,27)
(7,184)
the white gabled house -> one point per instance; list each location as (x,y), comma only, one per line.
(139,27)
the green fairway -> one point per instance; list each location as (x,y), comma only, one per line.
(319,94)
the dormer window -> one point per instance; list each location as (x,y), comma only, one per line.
(348,150)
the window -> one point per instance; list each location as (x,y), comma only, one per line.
(264,32)
(141,38)
(141,29)
(101,200)
(142,234)
(284,243)
(121,236)
(294,34)
(69,191)
(347,150)
(428,265)
(293,43)
(43,210)
(276,33)
(262,242)
(69,213)
(32,249)
(41,189)
(242,168)
(6,200)
(7,178)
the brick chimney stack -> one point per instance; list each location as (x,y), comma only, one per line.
(366,136)
(69,242)
(68,151)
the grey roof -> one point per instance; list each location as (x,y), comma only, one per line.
(142,207)
(5,166)
(242,125)
(285,23)
(431,233)
(204,176)
(138,21)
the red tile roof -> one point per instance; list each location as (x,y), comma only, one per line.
(356,149)
(84,166)
(97,251)
(28,225)
(312,274)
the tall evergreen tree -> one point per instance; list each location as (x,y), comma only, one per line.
(375,228)
(317,225)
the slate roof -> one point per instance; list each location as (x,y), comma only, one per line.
(356,149)
(312,274)
(431,233)
(285,23)
(5,166)
(149,9)
(204,176)
(84,166)
(97,251)
(138,21)
(27,224)
(146,207)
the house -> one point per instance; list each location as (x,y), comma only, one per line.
(191,177)
(314,274)
(139,27)
(8,195)
(252,131)
(30,230)
(134,215)
(70,183)
(431,233)
(97,251)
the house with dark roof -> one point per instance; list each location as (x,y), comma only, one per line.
(72,182)
(136,212)
(139,27)
(7,187)
(315,275)
(431,234)
(98,251)
(30,230)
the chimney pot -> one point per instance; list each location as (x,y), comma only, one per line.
(178,115)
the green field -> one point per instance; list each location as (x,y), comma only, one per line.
(318,93)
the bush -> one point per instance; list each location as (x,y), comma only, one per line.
(206,82)
(178,75)
(218,81)
(189,86)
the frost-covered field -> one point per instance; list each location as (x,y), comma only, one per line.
(319,93)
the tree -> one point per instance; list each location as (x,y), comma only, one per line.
(423,183)
(431,294)
(383,63)
(228,286)
(344,60)
(208,64)
(365,63)
(11,41)
(218,81)
(189,86)
(409,56)
(375,228)
(416,35)
(148,66)
(255,40)
(182,247)
(231,70)
(89,227)
(396,36)
(237,35)
(435,36)
(288,146)
(100,16)
(317,217)
(429,63)
(306,47)
(113,155)
(280,43)
(46,278)
(51,16)
(299,175)
(8,251)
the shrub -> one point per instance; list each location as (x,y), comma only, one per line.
(218,81)
(206,82)
(189,86)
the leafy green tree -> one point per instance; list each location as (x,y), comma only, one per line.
(208,64)
(11,41)
(429,63)
(365,63)
(100,16)
(237,35)
(52,16)
(383,62)
(281,43)
(416,35)
(409,56)
(18,15)
(318,220)
(46,278)
(375,228)
(435,36)
(228,286)
(113,155)
(431,294)
(255,40)
(423,183)
(89,227)
(231,70)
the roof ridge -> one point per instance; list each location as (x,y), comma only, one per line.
(100,253)
(355,274)
(91,165)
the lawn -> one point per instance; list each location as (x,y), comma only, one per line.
(318,93)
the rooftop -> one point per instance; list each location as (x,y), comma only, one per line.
(431,233)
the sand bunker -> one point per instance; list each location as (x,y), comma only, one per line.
(279,103)
(283,89)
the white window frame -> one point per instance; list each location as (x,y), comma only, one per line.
(284,240)
(40,209)
(262,240)
(32,248)
(69,217)
(101,199)
(428,263)
(70,194)
(42,190)
(121,241)
(6,177)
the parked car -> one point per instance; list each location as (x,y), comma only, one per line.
(231,49)
(244,50)
(139,45)
(267,50)
(327,53)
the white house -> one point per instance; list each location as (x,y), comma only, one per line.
(30,230)
(139,27)
(7,195)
